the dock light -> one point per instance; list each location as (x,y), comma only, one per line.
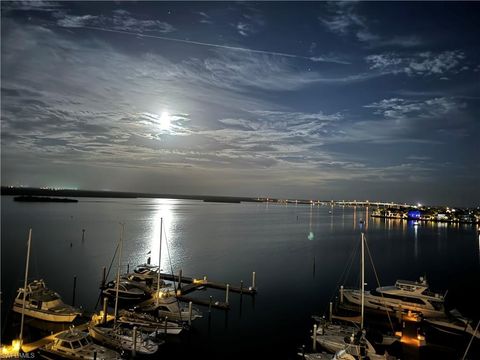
(11,351)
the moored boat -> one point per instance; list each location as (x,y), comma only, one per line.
(127,290)
(75,344)
(149,322)
(454,324)
(413,296)
(37,301)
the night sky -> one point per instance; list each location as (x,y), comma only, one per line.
(314,100)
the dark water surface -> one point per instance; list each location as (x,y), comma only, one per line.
(226,242)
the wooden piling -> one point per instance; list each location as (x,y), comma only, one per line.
(180,279)
(314,337)
(105,302)
(341,294)
(331,311)
(134,350)
(253,280)
(104,277)
(226,293)
(166,324)
(74,289)
(189,313)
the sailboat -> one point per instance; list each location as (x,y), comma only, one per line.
(117,336)
(164,302)
(335,337)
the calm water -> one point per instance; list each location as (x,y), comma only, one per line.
(226,242)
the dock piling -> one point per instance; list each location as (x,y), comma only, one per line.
(210,305)
(180,279)
(74,289)
(128,268)
(314,337)
(341,294)
(105,301)
(134,351)
(241,287)
(104,277)
(189,313)
(226,293)
(253,280)
(330,313)
(166,324)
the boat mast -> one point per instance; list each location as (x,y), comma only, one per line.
(118,274)
(363,281)
(159,260)
(25,284)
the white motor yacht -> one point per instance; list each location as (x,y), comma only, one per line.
(42,303)
(405,295)
(120,337)
(127,290)
(75,344)
(454,324)
(169,306)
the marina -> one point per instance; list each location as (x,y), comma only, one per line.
(291,265)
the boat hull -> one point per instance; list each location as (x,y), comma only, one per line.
(45,315)
(110,337)
(390,305)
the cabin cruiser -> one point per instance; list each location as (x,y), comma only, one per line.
(145,273)
(148,322)
(75,344)
(165,304)
(453,324)
(117,336)
(405,295)
(42,303)
(127,290)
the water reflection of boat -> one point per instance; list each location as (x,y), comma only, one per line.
(43,303)
(75,344)
(413,296)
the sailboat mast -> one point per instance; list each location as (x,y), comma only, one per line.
(25,283)
(363,280)
(159,259)
(118,274)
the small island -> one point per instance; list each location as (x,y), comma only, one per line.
(30,198)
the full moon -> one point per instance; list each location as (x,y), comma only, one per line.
(165,121)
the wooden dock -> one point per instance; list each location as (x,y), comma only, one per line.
(187,285)
(251,290)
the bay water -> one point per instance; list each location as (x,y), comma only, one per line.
(298,252)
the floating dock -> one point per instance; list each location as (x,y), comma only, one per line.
(192,284)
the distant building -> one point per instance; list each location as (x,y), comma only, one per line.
(414,214)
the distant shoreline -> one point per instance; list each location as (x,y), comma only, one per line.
(24,191)
(42,199)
